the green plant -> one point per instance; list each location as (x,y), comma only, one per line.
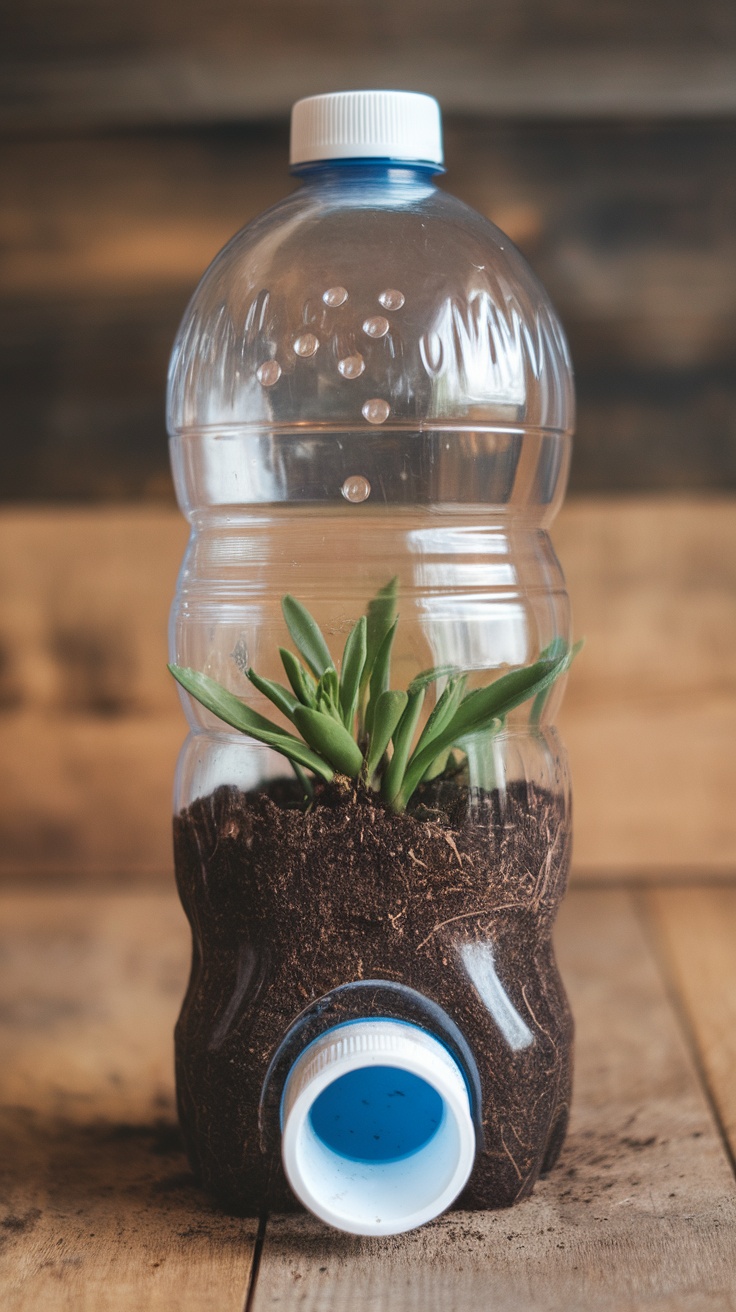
(352,722)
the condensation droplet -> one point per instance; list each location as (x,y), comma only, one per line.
(335,296)
(352,366)
(392,299)
(356,488)
(306,345)
(268,373)
(376,411)
(376,326)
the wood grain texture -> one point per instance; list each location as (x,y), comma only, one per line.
(554,82)
(99,1210)
(650,713)
(71,63)
(90,725)
(696,933)
(632,228)
(45,27)
(640,1213)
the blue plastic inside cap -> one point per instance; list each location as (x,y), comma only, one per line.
(377,1114)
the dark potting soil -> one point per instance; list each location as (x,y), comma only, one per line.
(303,920)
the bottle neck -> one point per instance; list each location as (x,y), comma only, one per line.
(366,173)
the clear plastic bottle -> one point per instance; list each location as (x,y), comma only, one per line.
(370,391)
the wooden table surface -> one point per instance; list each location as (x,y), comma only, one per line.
(101,1212)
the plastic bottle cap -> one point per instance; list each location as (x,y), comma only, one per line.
(402,125)
(377,1132)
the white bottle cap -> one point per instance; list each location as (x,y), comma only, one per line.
(377,1132)
(402,125)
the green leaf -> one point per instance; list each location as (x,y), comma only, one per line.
(304,780)
(331,739)
(226,706)
(302,683)
(379,619)
(438,766)
(380,675)
(424,679)
(275,692)
(482,705)
(307,635)
(326,699)
(388,711)
(554,651)
(351,671)
(479,710)
(442,713)
(403,735)
(330,685)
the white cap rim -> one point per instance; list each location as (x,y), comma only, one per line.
(361,125)
(355,1046)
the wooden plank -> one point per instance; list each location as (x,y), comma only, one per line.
(86,799)
(99,1209)
(631,229)
(650,712)
(653,788)
(696,933)
(640,1212)
(134,213)
(85,600)
(90,725)
(86,65)
(63,27)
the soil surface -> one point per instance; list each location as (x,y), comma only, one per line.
(302,920)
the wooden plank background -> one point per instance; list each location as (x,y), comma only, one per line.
(91,62)
(99,1210)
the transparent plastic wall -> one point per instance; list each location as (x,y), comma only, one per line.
(370,388)
(370,383)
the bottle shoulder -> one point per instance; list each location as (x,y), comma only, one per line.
(369,221)
(339,297)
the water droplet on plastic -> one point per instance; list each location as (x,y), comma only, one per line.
(376,411)
(352,366)
(268,373)
(376,326)
(356,488)
(392,299)
(306,345)
(334,297)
